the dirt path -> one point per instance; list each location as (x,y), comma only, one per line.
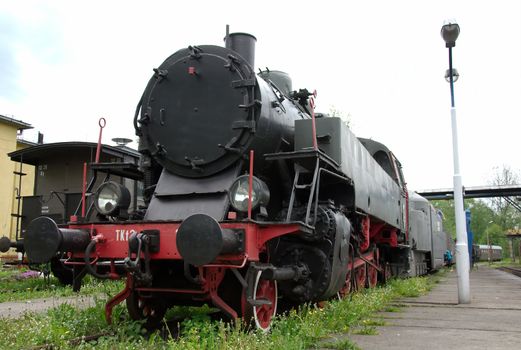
(15,309)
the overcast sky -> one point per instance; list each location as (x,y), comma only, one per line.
(64,64)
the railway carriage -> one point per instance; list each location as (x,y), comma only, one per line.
(487,252)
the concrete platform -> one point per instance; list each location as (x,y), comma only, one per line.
(435,321)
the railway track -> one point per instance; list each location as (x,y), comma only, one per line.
(74,341)
(513,271)
(171,328)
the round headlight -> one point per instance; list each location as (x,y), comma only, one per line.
(260,194)
(111,197)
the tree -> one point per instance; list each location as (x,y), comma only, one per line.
(508,217)
(447,208)
(496,236)
(481,215)
(345,117)
(483,221)
(493,217)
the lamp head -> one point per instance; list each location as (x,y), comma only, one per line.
(450,33)
(455,75)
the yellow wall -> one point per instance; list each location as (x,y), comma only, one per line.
(27,187)
(9,181)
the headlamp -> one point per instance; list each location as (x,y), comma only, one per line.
(260,194)
(111,198)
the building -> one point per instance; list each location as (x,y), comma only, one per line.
(47,179)
(10,183)
(58,181)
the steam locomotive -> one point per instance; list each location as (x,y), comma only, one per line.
(251,199)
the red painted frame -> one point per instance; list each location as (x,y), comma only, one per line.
(115,239)
(112,244)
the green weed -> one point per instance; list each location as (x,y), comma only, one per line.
(411,287)
(366,331)
(373,322)
(64,326)
(15,286)
(392,308)
(343,344)
(505,262)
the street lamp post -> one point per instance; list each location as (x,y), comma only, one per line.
(489,250)
(489,246)
(449,33)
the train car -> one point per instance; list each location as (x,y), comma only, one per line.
(428,240)
(250,199)
(487,252)
(58,187)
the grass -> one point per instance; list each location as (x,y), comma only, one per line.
(412,287)
(300,329)
(373,322)
(505,262)
(392,308)
(19,283)
(341,344)
(367,330)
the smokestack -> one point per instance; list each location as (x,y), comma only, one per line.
(243,44)
(40,138)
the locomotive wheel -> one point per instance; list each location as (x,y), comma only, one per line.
(149,309)
(372,276)
(346,289)
(264,290)
(360,277)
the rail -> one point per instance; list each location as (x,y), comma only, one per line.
(513,271)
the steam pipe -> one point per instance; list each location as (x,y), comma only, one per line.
(285,273)
(250,184)
(88,264)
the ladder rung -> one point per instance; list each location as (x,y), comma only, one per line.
(17,216)
(300,187)
(19,173)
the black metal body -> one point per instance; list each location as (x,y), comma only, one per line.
(201,113)
(204,109)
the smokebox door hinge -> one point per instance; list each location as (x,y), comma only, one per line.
(233,63)
(195,52)
(244,124)
(243,83)
(160,74)
(228,147)
(253,104)
(194,162)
